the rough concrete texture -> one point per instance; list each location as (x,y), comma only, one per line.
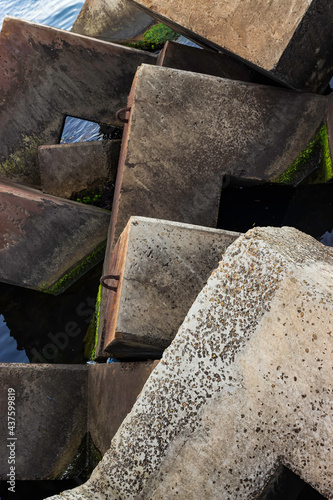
(186,130)
(46,74)
(179,56)
(50,418)
(162,267)
(112,391)
(112,20)
(245,385)
(66,169)
(46,243)
(291,39)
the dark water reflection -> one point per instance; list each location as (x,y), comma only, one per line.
(43,328)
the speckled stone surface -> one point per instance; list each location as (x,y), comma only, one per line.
(291,39)
(245,385)
(162,265)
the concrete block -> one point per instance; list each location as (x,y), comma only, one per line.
(112,391)
(245,386)
(46,243)
(290,40)
(66,169)
(50,418)
(179,56)
(186,130)
(162,267)
(112,20)
(47,74)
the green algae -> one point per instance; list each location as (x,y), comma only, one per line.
(323,174)
(75,272)
(97,311)
(84,462)
(22,163)
(154,38)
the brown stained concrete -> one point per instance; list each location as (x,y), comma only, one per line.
(47,241)
(66,169)
(245,385)
(162,266)
(290,39)
(112,391)
(112,20)
(50,418)
(186,130)
(178,56)
(46,74)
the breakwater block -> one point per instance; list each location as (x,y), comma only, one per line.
(114,21)
(162,266)
(48,74)
(273,37)
(66,169)
(183,137)
(112,391)
(46,243)
(50,418)
(245,385)
(209,62)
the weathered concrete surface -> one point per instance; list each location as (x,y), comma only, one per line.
(50,418)
(46,243)
(178,56)
(290,39)
(66,169)
(112,391)
(112,20)
(162,267)
(46,74)
(186,130)
(245,385)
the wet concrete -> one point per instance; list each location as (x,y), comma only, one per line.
(47,74)
(46,243)
(290,40)
(162,267)
(112,20)
(67,169)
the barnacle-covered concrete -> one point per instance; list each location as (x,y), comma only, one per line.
(162,266)
(112,20)
(47,74)
(291,39)
(245,385)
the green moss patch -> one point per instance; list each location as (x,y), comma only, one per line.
(75,272)
(155,38)
(318,151)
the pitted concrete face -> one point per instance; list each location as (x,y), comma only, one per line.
(245,385)
(280,37)
(47,74)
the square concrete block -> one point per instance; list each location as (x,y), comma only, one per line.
(50,405)
(66,169)
(290,39)
(186,130)
(46,243)
(48,74)
(162,266)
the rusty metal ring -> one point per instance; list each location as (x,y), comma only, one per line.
(109,277)
(122,110)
